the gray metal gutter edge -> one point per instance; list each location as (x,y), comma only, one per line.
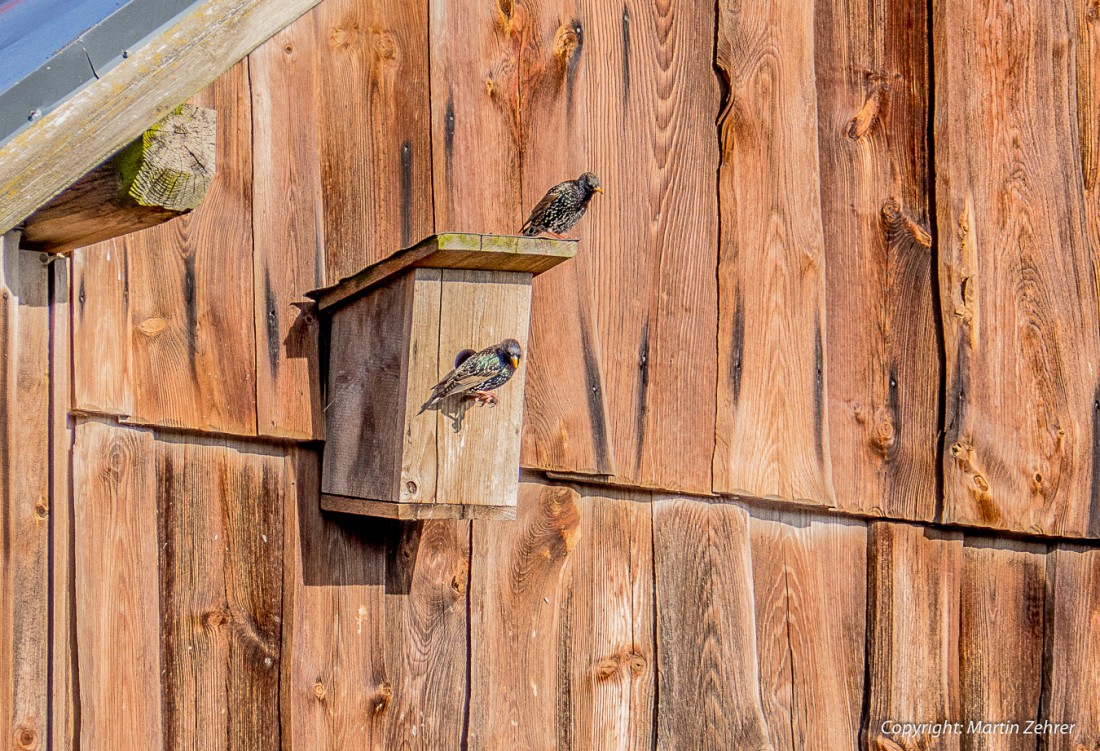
(85,59)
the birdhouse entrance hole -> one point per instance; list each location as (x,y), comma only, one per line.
(393,332)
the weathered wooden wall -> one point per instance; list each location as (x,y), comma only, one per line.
(846,263)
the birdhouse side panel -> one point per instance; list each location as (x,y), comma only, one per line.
(364,421)
(479,462)
(419,454)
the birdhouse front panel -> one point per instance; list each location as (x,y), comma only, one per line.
(391,449)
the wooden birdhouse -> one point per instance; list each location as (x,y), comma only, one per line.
(393,331)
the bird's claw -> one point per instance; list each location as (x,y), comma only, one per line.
(484,398)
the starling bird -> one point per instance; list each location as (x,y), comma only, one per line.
(562,206)
(478,373)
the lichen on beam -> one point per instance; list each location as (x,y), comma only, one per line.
(51,153)
(165,172)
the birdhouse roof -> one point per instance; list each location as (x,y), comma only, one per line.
(453,251)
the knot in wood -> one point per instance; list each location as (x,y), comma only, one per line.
(383,46)
(870,113)
(25,738)
(637,663)
(319,691)
(381,700)
(981,483)
(884,434)
(215,618)
(342,37)
(42,509)
(567,40)
(607,667)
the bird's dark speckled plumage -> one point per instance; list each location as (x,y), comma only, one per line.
(562,206)
(477,372)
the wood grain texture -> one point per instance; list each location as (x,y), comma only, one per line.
(65,707)
(871,65)
(913,582)
(810,594)
(426,644)
(25,427)
(288,248)
(1001,639)
(387,350)
(374,129)
(1085,18)
(220,517)
(772,435)
(623,381)
(475,68)
(1071,664)
(162,174)
(452,250)
(562,635)
(118,629)
(102,381)
(709,693)
(374,626)
(1020,321)
(367,400)
(193,362)
(54,151)
(479,465)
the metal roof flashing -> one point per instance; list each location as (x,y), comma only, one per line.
(90,36)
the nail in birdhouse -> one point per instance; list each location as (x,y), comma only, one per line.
(397,329)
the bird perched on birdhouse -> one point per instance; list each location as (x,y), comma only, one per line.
(562,206)
(477,373)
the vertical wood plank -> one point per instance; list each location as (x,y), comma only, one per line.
(101,329)
(475,115)
(634,97)
(810,593)
(871,62)
(118,627)
(1071,669)
(1001,639)
(24,496)
(1020,321)
(420,455)
(333,685)
(1086,19)
(913,630)
(64,701)
(426,635)
(562,640)
(479,464)
(514,618)
(772,434)
(708,680)
(569,407)
(374,626)
(220,518)
(374,129)
(288,252)
(366,395)
(190,283)
(608,633)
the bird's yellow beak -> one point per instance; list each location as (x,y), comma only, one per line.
(599,189)
(515,361)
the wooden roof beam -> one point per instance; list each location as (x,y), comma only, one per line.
(96,122)
(164,173)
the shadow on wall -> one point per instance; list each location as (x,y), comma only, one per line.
(347,549)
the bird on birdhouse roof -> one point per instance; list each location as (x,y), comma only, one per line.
(477,373)
(562,206)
